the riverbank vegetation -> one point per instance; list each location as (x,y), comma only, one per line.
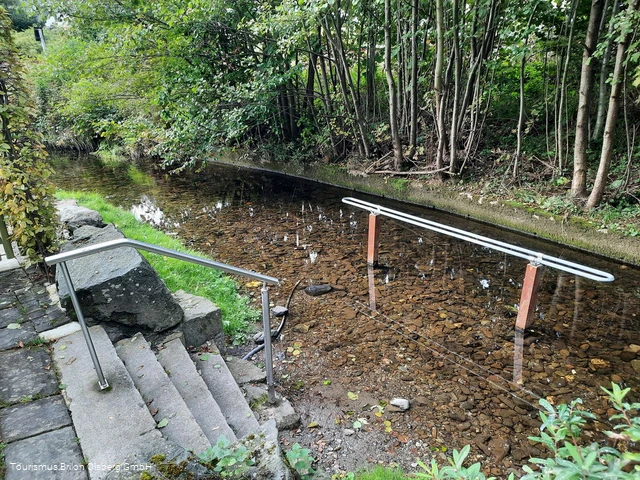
(523,94)
(237,314)
(26,200)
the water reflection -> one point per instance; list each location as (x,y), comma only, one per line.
(148,211)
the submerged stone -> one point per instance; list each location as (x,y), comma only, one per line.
(316,290)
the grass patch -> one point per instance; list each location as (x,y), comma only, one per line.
(237,315)
(3,466)
(382,473)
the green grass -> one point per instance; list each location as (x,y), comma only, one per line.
(237,315)
(382,473)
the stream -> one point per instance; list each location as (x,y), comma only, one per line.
(434,324)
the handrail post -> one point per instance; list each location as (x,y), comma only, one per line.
(268,354)
(4,235)
(374,234)
(102,382)
(529,296)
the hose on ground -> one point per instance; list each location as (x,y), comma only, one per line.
(277,333)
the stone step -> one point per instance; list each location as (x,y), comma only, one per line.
(160,394)
(182,372)
(111,423)
(226,392)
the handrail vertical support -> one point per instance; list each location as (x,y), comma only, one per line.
(374,234)
(6,242)
(268,353)
(529,296)
(102,382)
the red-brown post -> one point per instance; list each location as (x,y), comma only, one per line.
(529,296)
(374,233)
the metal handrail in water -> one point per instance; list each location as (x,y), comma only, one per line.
(63,258)
(534,269)
(516,251)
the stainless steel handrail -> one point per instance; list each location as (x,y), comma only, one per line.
(63,258)
(531,255)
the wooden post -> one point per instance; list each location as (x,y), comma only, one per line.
(374,233)
(529,296)
(372,287)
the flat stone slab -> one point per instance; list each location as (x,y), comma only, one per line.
(24,373)
(244,371)
(164,454)
(281,412)
(11,337)
(227,393)
(161,395)
(11,315)
(74,216)
(7,300)
(193,390)
(27,420)
(202,319)
(111,424)
(52,455)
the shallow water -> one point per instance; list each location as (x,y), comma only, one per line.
(435,324)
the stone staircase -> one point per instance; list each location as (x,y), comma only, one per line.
(161,410)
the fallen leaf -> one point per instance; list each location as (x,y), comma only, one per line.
(13,326)
(205,357)
(154,412)
(71,360)
(253,284)
(20,345)
(313,425)
(352,396)
(357,425)
(62,347)
(326,382)
(163,423)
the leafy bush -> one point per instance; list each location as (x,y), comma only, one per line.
(228,460)
(300,460)
(26,196)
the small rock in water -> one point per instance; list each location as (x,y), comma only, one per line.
(279,311)
(401,403)
(316,290)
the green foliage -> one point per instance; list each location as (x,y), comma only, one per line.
(178,275)
(230,461)
(571,458)
(301,461)
(26,196)
(455,469)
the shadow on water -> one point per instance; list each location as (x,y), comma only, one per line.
(435,323)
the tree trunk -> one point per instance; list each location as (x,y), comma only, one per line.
(563,86)
(413,124)
(393,102)
(437,85)
(579,183)
(604,70)
(614,104)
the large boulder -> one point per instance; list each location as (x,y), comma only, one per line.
(118,285)
(73,216)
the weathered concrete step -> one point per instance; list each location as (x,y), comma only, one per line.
(161,395)
(182,372)
(110,424)
(226,392)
